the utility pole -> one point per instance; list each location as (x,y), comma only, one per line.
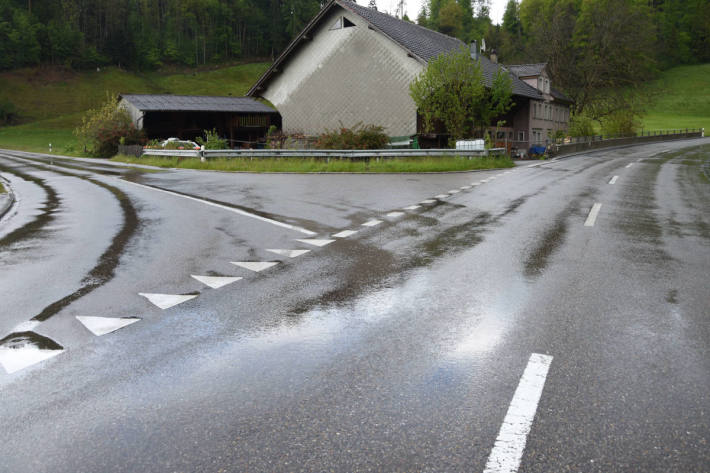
(401,9)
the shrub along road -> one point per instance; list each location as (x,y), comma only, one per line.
(550,317)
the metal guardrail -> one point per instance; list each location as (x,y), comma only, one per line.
(597,142)
(318,153)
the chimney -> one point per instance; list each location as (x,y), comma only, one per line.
(494,56)
(474,50)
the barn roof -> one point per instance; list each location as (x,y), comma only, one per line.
(195,103)
(421,43)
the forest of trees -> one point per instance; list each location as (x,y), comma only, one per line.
(145,34)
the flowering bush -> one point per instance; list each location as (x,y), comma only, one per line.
(104,128)
(359,137)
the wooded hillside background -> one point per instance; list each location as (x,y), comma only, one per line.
(145,34)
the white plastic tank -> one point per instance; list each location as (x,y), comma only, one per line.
(471,145)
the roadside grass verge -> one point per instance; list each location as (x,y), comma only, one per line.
(314,165)
(2,189)
(36,136)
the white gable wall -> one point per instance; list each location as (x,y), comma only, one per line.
(347,76)
(136,115)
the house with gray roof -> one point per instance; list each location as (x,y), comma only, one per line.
(352,64)
(242,120)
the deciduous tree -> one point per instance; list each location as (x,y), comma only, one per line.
(451,91)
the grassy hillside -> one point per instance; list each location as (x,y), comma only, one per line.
(682,99)
(50,101)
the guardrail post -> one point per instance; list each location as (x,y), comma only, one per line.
(202,153)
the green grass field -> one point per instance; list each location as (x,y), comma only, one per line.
(682,99)
(306,165)
(50,101)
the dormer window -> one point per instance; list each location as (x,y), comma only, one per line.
(341,23)
(539,84)
(547,86)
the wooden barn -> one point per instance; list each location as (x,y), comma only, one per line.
(242,120)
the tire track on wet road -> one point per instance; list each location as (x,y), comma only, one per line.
(105,269)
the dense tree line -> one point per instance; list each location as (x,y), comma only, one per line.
(144,34)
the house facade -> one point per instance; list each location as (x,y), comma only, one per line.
(353,65)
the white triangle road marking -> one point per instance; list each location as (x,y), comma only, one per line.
(441,196)
(26,326)
(345,233)
(454,191)
(289,253)
(314,242)
(428,201)
(21,351)
(256,266)
(103,325)
(372,223)
(166,301)
(395,214)
(215,282)
(412,207)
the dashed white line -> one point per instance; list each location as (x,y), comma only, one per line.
(464,188)
(510,444)
(289,253)
(454,191)
(629,165)
(372,223)
(613,180)
(224,207)
(395,214)
(102,325)
(412,207)
(441,196)
(314,242)
(345,233)
(166,301)
(256,266)
(428,201)
(215,282)
(592,217)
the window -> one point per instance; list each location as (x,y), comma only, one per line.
(521,136)
(539,83)
(342,22)
(547,86)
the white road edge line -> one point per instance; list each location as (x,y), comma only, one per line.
(224,207)
(592,217)
(613,180)
(509,446)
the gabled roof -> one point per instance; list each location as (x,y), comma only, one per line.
(195,103)
(527,70)
(559,95)
(421,43)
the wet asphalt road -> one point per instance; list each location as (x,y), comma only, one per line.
(398,348)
